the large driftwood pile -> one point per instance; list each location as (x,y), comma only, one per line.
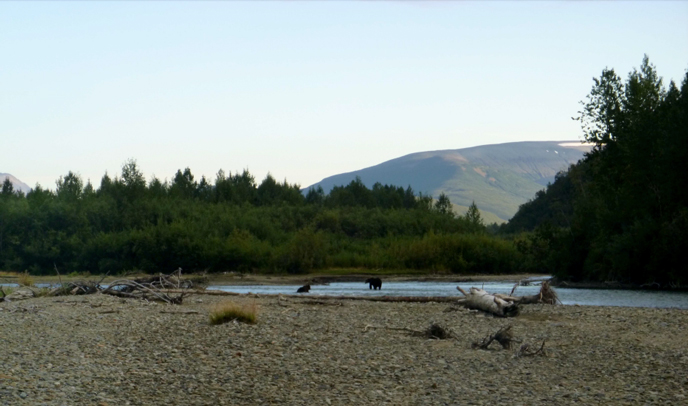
(505,305)
(151,288)
(171,281)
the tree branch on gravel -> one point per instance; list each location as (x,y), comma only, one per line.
(434,331)
(503,336)
(527,350)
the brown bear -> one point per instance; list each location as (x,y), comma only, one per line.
(375,283)
(304,289)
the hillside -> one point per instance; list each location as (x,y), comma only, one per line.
(18,185)
(497,177)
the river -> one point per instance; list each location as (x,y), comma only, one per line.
(590,297)
(568,296)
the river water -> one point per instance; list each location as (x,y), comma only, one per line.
(591,297)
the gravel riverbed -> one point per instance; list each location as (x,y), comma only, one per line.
(102,350)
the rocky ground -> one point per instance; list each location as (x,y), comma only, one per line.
(102,350)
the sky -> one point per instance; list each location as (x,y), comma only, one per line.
(304,90)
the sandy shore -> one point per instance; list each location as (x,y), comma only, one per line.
(101,350)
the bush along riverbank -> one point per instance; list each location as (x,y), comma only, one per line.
(239,225)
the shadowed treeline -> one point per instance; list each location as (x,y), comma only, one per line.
(620,214)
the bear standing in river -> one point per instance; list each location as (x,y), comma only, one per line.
(375,283)
(303,289)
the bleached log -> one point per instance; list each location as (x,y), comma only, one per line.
(519,299)
(482,300)
(546,295)
(22,293)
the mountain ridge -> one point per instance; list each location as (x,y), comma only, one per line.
(18,184)
(498,177)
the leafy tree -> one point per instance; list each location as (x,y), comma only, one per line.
(315,196)
(204,191)
(7,187)
(38,196)
(70,187)
(156,188)
(443,205)
(474,218)
(89,191)
(133,181)
(270,192)
(183,185)
(243,187)
(132,176)
(352,195)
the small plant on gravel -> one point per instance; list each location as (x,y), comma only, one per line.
(227,311)
(25,279)
(438,332)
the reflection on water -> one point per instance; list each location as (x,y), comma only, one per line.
(592,297)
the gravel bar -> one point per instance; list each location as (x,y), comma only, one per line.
(102,350)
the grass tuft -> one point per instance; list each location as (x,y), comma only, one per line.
(24,279)
(227,311)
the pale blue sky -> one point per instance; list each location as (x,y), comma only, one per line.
(304,90)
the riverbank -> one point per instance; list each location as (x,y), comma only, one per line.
(323,278)
(617,285)
(98,349)
(317,278)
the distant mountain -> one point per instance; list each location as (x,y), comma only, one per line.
(18,185)
(497,177)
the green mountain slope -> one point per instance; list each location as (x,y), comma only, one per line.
(497,177)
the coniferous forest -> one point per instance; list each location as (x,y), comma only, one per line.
(620,214)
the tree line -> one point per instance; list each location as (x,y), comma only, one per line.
(237,224)
(621,213)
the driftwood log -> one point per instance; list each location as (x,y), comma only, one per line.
(481,300)
(21,293)
(505,305)
(546,295)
